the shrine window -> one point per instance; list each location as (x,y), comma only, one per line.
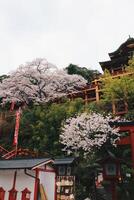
(68,171)
(26,194)
(2,193)
(61,170)
(13,194)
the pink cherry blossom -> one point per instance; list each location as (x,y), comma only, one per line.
(87,132)
(39,81)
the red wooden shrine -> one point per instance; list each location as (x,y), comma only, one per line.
(111,165)
(127,127)
(111,173)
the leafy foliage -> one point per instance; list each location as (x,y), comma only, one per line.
(88,74)
(7,123)
(41,125)
(2,77)
(120,88)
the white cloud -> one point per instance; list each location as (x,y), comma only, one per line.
(63,31)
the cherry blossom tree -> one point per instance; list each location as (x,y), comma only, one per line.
(88,132)
(39,81)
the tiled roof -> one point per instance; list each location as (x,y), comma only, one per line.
(62,161)
(23,163)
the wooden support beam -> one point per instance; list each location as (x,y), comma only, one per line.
(43,193)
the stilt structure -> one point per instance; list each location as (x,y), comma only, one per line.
(116,66)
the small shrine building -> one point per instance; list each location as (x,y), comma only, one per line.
(22,179)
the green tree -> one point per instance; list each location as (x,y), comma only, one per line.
(40,125)
(2,77)
(88,74)
(120,88)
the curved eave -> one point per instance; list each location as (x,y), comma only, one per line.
(129,43)
(105,65)
(114,63)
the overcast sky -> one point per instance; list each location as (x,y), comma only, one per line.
(81,32)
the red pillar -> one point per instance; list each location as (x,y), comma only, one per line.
(132,145)
(113,190)
(131,131)
(36,185)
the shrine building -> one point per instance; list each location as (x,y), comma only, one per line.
(119,58)
(116,66)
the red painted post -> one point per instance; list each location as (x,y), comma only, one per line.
(131,131)
(132,144)
(36,184)
(113,190)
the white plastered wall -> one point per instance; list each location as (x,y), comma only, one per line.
(47,179)
(22,181)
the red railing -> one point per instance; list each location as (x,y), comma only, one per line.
(10,154)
